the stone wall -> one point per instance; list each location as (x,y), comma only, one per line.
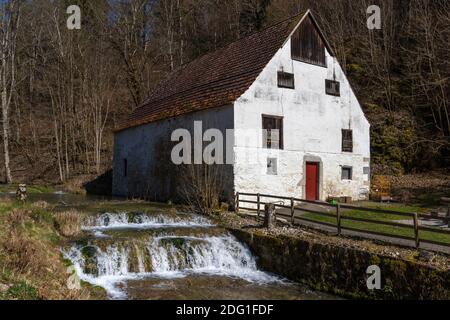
(342,271)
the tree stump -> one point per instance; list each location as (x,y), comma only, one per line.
(270,217)
(21,193)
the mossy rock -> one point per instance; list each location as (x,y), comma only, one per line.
(89,254)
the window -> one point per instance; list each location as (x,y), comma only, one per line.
(347,141)
(272,166)
(286,80)
(273,132)
(125,167)
(347,173)
(333,88)
(366,170)
(307,44)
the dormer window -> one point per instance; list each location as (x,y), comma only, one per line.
(333,88)
(286,80)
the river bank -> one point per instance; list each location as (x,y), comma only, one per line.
(31,265)
(338,265)
(162,253)
(139,250)
(127,250)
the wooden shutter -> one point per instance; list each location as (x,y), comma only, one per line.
(286,80)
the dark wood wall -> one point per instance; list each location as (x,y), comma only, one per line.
(307,44)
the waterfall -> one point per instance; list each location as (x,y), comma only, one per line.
(108,221)
(107,262)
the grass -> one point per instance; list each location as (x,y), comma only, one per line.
(68,223)
(31,266)
(392,230)
(411,208)
(20,291)
(31,189)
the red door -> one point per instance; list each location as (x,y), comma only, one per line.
(312,181)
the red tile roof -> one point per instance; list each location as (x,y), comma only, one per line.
(215,79)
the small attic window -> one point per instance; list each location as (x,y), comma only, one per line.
(286,80)
(333,88)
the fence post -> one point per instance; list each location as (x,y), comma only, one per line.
(338,219)
(258,199)
(292,211)
(416,230)
(237,202)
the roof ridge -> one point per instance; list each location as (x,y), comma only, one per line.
(181,67)
(215,78)
(241,38)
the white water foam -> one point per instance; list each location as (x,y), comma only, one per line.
(170,256)
(111,221)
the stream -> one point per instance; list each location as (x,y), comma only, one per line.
(146,251)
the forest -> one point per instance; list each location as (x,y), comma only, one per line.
(64,91)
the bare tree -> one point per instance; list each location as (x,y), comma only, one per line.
(201,187)
(10,21)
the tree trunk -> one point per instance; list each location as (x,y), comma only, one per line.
(5,120)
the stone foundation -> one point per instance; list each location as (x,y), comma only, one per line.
(342,271)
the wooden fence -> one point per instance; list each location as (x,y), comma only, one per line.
(339,216)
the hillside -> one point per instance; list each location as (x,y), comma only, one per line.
(72,87)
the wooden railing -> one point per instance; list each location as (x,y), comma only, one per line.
(339,216)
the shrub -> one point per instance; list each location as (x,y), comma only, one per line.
(30,264)
(201,187)
(68,223)
(22,252)
(16,219)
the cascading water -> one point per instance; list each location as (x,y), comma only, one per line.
(163,253)
(107,221)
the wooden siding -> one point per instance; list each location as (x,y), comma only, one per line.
(307,44)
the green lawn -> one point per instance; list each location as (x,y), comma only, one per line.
(396,207)
(399,231)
